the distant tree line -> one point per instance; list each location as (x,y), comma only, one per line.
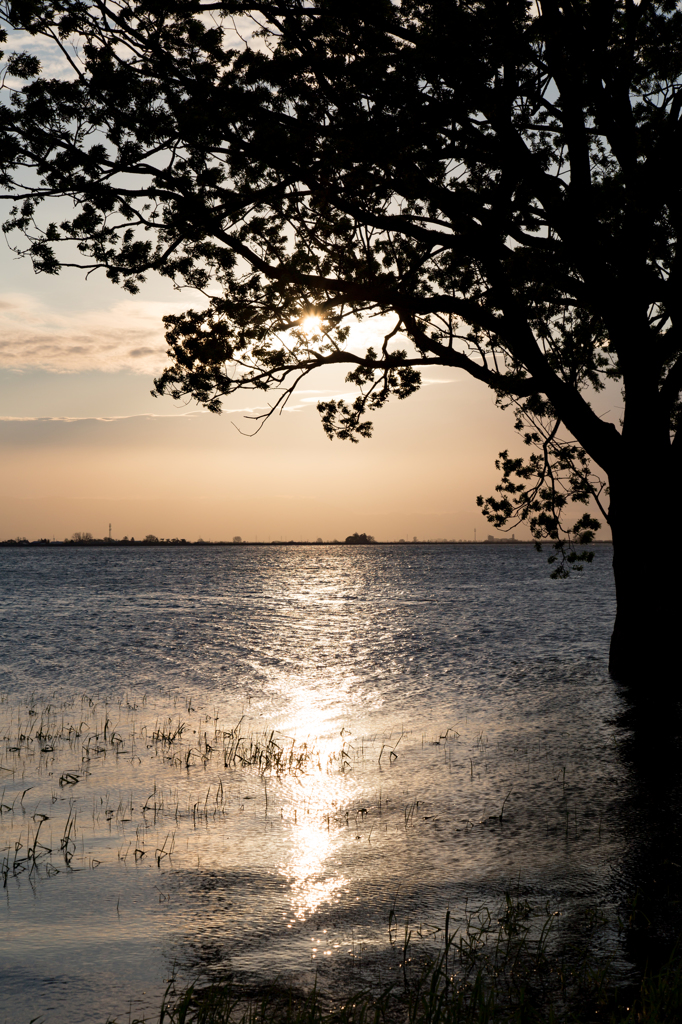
(151,541)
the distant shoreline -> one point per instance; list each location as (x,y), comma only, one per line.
(105,543)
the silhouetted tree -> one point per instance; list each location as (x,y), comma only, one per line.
(360,538)
(501,177)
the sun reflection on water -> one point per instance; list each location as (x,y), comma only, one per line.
(308,870)
(321,704)
(315,804)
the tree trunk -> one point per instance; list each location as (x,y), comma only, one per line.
(646,657)
(646,645)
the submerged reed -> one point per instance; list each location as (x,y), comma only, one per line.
(196,766)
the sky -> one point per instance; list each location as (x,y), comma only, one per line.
(84,444)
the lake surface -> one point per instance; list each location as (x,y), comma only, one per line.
(258,761)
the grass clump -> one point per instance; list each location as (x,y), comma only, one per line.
(435,999)
(512,967)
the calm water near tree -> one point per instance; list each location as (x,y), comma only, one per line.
(256,760)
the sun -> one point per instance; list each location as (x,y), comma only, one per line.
(311,325)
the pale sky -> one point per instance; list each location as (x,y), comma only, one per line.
(84,443)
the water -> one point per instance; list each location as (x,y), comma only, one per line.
(450,733)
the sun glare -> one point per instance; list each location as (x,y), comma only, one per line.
(312,325)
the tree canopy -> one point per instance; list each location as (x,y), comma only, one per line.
(499,176)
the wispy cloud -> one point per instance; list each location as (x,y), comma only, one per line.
(241,31)
(128,335)
(187,412)
(310,395)
(52,59)
(97,419)
(125,336)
